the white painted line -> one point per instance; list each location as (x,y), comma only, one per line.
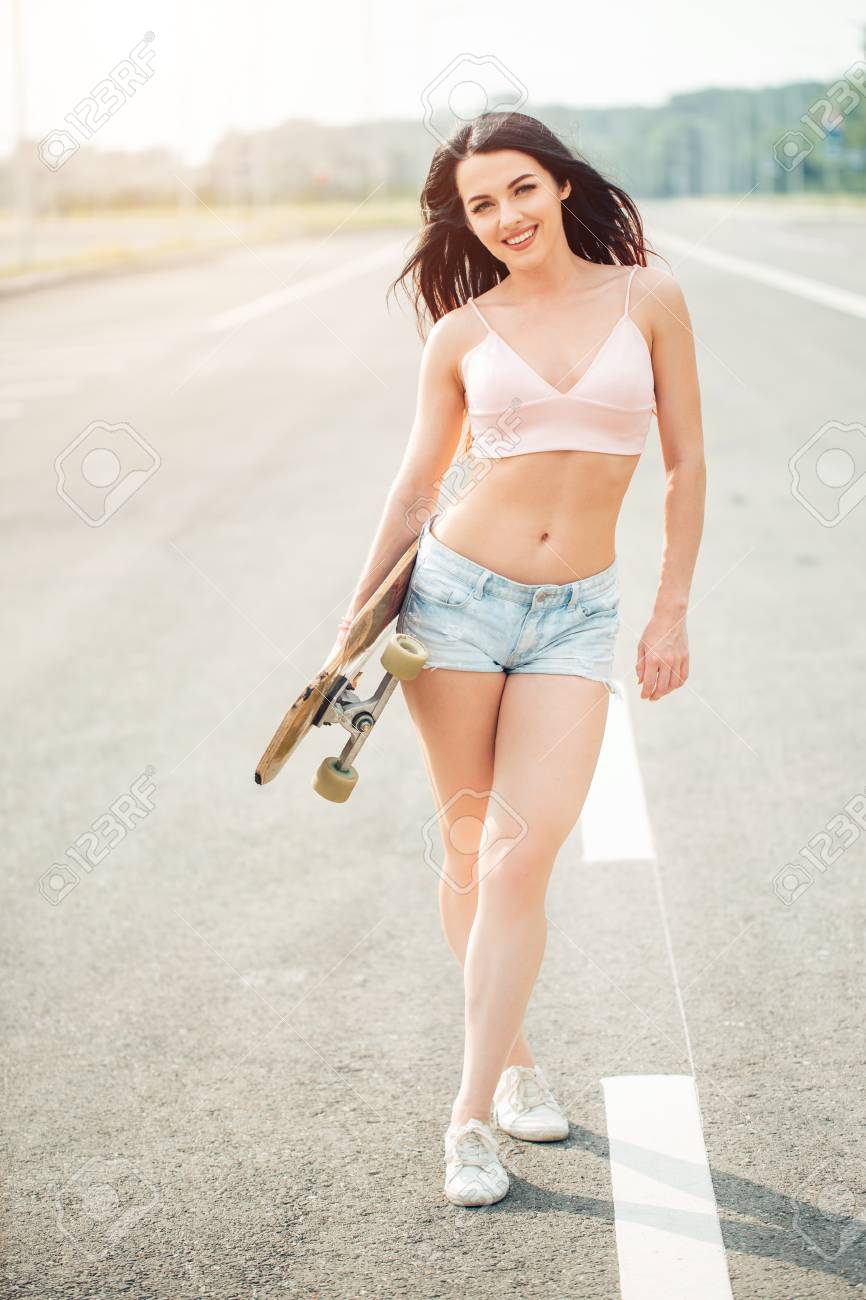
(386,254)
(668,1236)
(614,822)
(802,286)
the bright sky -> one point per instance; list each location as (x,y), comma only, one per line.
(218,65)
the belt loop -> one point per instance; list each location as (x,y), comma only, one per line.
(480,584)
(575,595)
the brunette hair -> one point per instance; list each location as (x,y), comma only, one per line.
(450,264)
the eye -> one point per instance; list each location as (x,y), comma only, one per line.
(527,185)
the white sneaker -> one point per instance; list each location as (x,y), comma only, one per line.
(525,1107)
(473,1173)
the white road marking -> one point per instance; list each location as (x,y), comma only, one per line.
(614,823)
(802,286)
(383,255)
(668,1236)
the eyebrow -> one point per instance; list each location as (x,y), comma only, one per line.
(510,186)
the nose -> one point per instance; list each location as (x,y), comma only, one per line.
(511,217)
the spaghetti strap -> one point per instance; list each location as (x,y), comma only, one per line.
(628,290)
(478,314)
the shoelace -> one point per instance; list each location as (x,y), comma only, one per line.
(530,1091)
(474,1147)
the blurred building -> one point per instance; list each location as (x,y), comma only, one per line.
(712,141)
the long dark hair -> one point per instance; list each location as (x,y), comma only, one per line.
(450,264)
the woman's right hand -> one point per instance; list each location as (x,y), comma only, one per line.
(336,649)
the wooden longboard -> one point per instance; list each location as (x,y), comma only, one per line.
(367,626)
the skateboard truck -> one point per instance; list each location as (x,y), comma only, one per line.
(403,658)
(358,716)
(330,695)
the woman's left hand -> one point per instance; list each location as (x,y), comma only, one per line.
(662,655)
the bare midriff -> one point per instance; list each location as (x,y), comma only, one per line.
(549,516)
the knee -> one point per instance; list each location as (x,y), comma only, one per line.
(515,883)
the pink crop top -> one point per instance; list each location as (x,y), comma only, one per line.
(513,411)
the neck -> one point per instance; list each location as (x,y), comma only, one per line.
(561,272)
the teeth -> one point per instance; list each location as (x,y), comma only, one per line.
(521,239)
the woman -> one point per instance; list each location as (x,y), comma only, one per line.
(556,358)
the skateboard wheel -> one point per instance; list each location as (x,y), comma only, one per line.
(333,782)
(403,657)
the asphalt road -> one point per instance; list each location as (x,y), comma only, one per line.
(233,1028)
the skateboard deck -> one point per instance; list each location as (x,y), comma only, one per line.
(329,697)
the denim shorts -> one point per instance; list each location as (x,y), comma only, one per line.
(472,618)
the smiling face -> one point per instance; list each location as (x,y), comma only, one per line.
(512,204)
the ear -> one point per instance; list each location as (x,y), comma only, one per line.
(566,188)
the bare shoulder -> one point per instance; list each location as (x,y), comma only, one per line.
(658,295)
(656,282)
(451,336)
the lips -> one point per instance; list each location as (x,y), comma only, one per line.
(525,243)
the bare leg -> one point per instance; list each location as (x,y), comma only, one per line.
(455,714)
(458,915)
(550,727)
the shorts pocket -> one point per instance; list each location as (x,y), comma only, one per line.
(601,603)
(438,587)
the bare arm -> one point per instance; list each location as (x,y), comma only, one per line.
(429,451)
(662,659)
